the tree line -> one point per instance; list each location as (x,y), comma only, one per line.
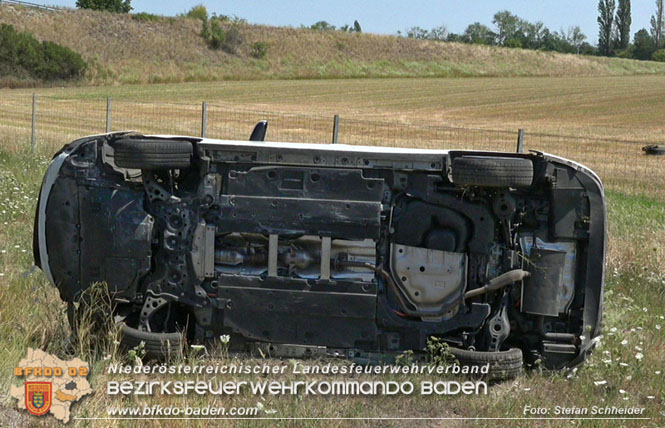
(510,31)
(614,21)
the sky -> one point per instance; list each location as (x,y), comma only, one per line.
(389,16)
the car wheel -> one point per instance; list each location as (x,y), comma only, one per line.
(492,171)
(654,150)
(143,153)
(158,346)
(503,364)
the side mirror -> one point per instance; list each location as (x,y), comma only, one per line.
(260,131)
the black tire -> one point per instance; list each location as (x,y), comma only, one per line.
(157,346)
(137,153)
(654,150)
(503,364)
(492,171)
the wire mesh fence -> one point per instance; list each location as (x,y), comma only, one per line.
(620,163)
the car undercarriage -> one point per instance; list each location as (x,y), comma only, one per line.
(362,249)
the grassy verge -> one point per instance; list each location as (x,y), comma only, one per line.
(626,370)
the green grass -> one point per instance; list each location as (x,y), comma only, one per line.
(31,314)
(633,213)
(637,244)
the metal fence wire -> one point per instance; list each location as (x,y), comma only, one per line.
(55,121)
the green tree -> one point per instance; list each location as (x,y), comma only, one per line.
(417,33)
(508,26)
(118,6)
(479,34)
(605,23)
(576,38)
(659,55)
(459,38)
(558,41)
(216,34)
(588,49)
(533,34)
(322,26)
(356,27)
(205,30)
(657,22)
(198,12)
(643,45)
(623,21)
(438,33)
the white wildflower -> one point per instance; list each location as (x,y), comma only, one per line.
(624,342)
(600,382)
(639,356)
(225,338)
(198,348)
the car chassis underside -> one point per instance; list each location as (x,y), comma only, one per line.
(352,248)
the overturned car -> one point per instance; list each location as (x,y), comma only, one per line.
(352,249)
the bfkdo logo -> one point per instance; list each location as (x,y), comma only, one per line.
(38,397)
(50,385)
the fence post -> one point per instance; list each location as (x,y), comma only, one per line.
(335,129)
(520,141)
(33,141)
(108,114)
(204,119)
